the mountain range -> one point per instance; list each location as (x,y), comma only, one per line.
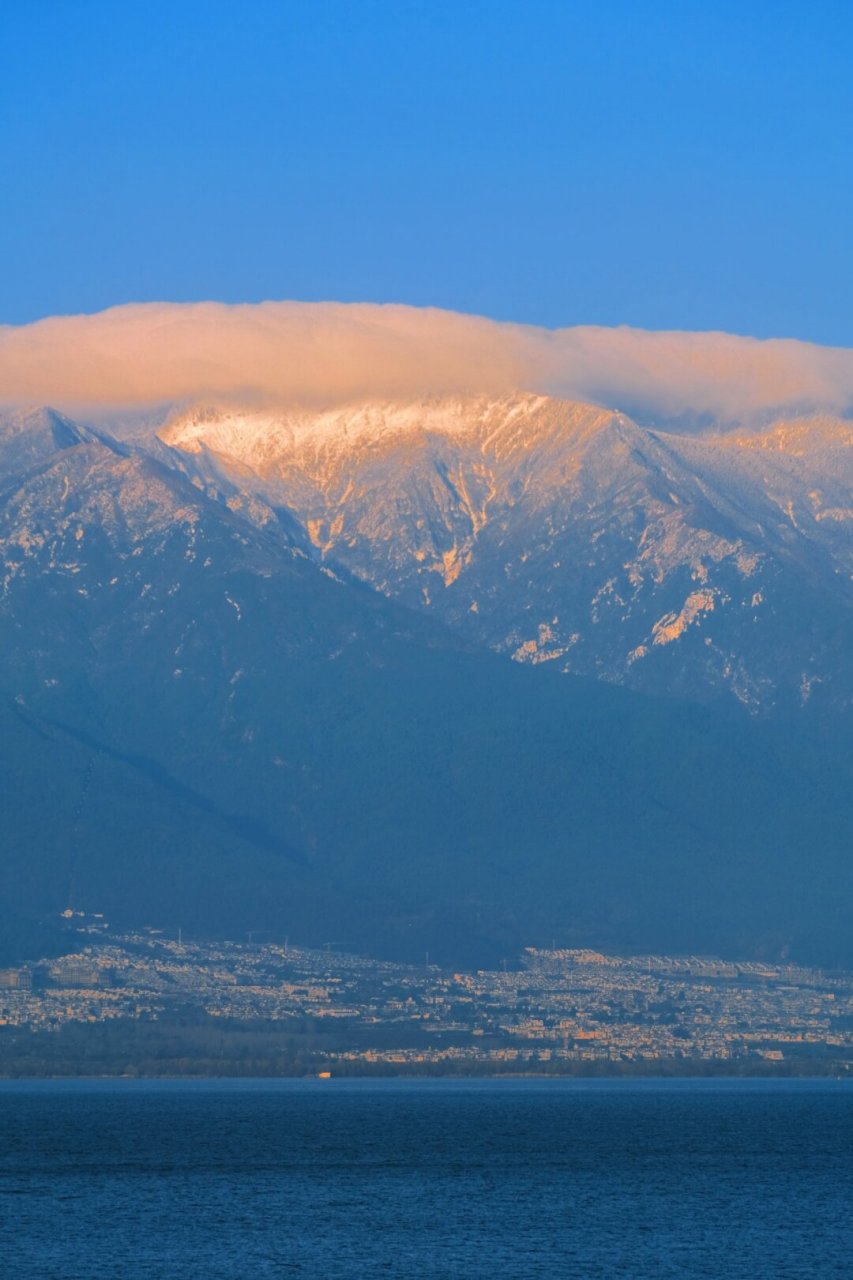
(257,676)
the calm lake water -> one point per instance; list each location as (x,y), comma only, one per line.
(237,1180)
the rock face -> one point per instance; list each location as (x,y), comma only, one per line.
(204,724)
(715,568)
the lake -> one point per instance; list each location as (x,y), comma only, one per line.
(232,1180)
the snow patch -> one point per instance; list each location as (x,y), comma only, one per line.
(673,625)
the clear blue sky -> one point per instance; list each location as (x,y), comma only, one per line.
(670,165)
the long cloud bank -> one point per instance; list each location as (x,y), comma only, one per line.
(281,352)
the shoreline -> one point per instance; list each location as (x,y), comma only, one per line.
(841,1073)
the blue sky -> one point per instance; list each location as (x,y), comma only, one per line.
(667,165)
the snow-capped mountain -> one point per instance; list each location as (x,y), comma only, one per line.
(709,567)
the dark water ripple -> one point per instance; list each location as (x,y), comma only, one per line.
(234,1181)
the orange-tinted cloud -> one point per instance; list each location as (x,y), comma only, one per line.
(282,352)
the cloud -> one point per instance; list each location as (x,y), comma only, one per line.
(284,352)
(699,375)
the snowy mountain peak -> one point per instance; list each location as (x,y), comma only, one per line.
(262,438)
(30,436)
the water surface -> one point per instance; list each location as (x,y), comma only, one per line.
(236,1180)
